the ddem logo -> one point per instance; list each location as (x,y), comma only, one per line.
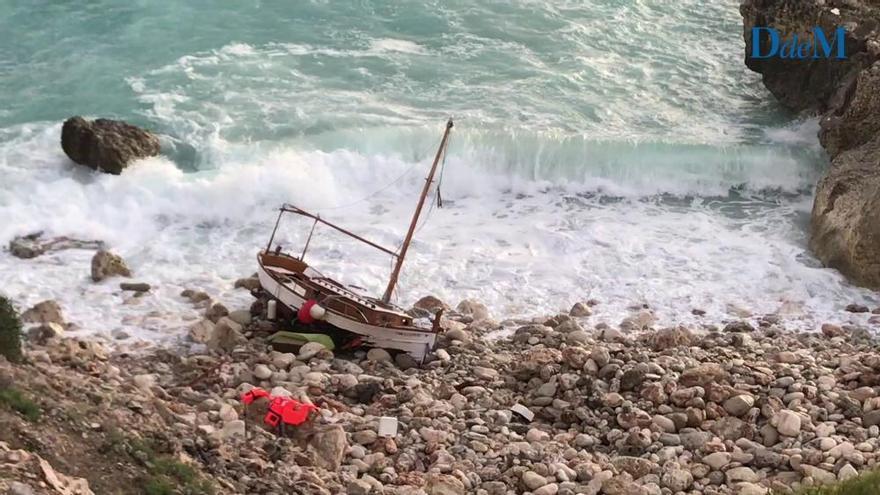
(810,47)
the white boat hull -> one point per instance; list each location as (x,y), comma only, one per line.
(415,343)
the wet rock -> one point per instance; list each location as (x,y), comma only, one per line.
(201,331)
(830,330)
(226,335)
(431,304)
(216,311)
(33,245)
(106,264)
(25,248)
(739,326)
(44,312)
(844,225)
(475,309)
(671,337)
(135,286)
(41,334)
(857,308)
(249,283)
(638,322)
(580,310)
(106,145)
(195,296)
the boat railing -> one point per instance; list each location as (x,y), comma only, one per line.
(289,208)
(347,304)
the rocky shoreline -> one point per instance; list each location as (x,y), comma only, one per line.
(845,226)
(555,406)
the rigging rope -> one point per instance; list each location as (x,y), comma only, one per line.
(442,168)
(374,193)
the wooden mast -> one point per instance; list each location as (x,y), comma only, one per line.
(415,220)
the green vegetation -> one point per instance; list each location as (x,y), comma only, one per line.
(157,486)
(20,403)
(10,332)
(165,474)
(169,476)
(866,484)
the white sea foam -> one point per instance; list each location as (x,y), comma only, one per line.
(395,45)
(524,244)
(613,150)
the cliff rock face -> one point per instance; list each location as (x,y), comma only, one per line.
(106,145)
(846,93)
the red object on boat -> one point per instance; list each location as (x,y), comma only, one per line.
(305,312)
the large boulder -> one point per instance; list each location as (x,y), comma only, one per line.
(106,145)
(857,122)
(106,264)
(808,84)
(846,215)
(845,224)
(44,312)
(327,447)
(33,245)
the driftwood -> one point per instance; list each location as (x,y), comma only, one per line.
(33,245)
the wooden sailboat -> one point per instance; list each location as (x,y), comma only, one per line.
(314,297)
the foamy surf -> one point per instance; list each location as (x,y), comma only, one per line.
(526,243)
(635,165)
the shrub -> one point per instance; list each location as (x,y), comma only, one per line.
(866,484)
(10,332)
(18,402)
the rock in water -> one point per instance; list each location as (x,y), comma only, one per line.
(225,335)
(846,213)
(845,223)
(106,264)
(431,304)
(44,312)
(33,245)
(475,309)
(106,145)
(135,287)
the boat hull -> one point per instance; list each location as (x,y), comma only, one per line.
(416,342)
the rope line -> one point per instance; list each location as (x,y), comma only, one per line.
(374,193)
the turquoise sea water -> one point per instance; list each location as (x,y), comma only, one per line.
(610,149)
